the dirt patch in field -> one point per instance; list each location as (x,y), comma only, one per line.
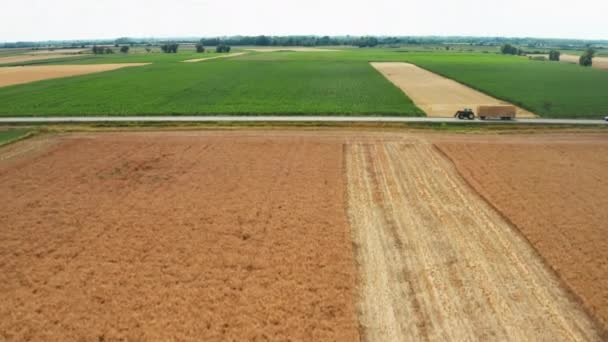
(208,58)
(291,48)
(555,192)
(26,74)
(34,57)
(436,95)
(181,236)
(598,62)
(438,263)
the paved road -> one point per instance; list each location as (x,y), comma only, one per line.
(370,119)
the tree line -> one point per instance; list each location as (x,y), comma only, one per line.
(586,59)
(303,40)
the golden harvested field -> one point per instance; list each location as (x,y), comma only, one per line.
(317,235)
(437,263)
(598,62)
(555,192)
(436,95)
(32,57)
(26,74)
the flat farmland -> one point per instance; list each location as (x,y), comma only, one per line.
(599,62)
(305,83)
(554,191)
(437,263)
(436,95)
(552,90)
(274,235)
(27,74)
(548,89)
(226,86)
(175,237)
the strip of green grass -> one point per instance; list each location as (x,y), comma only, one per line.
(11,135)
(221,86)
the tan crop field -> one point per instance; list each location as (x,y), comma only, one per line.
(436,95)
(432,252)
(312,235)
(598,62)
(26,74)
(33,57)
(555,192)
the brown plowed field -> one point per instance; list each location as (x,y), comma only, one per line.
(556,193)
(26,74)
(175,237)
(437,263)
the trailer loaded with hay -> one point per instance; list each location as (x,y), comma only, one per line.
(502,112)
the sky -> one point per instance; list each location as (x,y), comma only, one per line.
(36,20)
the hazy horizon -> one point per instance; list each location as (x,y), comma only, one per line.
(38,20)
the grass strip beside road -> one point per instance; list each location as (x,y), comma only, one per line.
(12,135)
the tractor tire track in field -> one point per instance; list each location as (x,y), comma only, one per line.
(438,263)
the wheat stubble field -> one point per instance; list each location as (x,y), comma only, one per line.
(266,235)
(556,185)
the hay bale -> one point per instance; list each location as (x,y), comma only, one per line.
(497,111)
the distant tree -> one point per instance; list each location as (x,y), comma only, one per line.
(116,45)
(587,58)
(222,48)
(124,49)
(554,55)
(200,48)
(169,47)
(148,49)
(508,49)
(100,50)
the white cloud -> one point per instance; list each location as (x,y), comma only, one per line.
(85,19)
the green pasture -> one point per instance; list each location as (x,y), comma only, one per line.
(221,86)
(315,83)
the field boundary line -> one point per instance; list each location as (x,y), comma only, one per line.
(196,60)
